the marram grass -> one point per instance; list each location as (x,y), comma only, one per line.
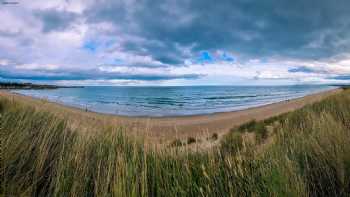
(302,153)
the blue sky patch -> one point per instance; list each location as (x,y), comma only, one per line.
(205,57)
(90,46)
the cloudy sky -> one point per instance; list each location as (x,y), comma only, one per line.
(182,42)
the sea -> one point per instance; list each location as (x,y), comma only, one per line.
(172,100)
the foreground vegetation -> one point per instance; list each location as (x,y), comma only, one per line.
(302,153)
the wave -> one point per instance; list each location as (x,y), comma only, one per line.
(230,97)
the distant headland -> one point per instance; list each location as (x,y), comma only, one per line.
(28,86)
(345,86)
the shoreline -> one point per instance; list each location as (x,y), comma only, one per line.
(155,117)
(169,128)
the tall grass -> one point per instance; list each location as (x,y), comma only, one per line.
(309,155)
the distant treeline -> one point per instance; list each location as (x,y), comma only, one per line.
(16,85)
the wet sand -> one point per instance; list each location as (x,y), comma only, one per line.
(162,129)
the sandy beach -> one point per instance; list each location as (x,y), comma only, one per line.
(164,129)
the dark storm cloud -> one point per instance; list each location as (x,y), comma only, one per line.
(305,69)
(54,20)
(294,29)
(341,77)
(165,53)
(45,75)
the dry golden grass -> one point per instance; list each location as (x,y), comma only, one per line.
(309,156)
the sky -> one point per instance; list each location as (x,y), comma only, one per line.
(168,42)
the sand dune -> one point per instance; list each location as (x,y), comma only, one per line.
(168,128)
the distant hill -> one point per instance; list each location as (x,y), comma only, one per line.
(15,85)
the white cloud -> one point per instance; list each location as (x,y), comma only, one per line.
(4,62)
(35,66)
(77,6)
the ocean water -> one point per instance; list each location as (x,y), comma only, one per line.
(172,101)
